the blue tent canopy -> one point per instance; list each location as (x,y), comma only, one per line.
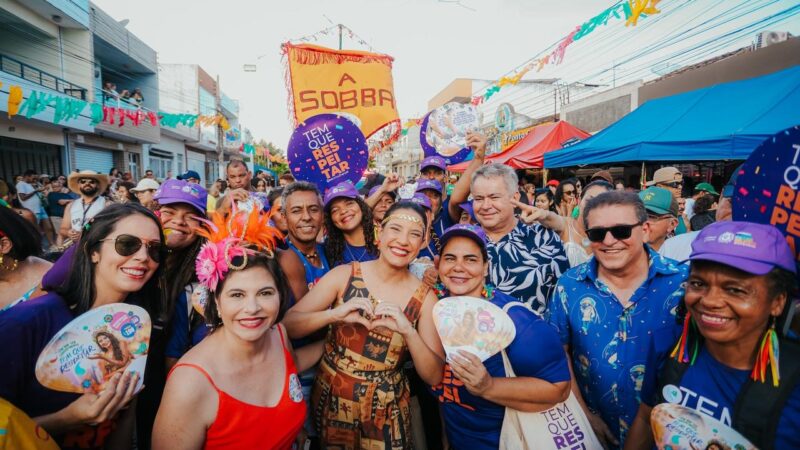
(724,121)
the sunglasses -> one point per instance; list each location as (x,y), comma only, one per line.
(619,232)
(127,245)
(87,181)
(656,217)
(569,192)
(673,184)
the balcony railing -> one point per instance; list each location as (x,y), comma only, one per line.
(34,75)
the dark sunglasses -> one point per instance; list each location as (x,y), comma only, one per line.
(87,180)
(619,232)
(673,184)
(569,192)
(127,245)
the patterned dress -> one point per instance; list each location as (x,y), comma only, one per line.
(361,394)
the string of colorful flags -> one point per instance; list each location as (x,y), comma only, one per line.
(68,108)
(630,10)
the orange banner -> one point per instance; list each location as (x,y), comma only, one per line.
(322,80)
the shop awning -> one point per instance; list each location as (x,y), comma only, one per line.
(721,122)
(528,153)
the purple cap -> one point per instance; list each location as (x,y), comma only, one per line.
(433,161)
(421,200)
(425,183)
(467,206)
(178,191)
(375,189)
(466,230)
(344,189)
(752,247)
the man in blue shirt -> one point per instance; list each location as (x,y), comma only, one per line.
(608,309)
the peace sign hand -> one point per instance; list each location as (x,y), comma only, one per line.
(530,214)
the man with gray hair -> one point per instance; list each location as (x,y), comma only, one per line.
(525,261)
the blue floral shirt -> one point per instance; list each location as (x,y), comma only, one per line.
(526,264)
(609,344)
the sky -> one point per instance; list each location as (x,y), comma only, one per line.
(432,41)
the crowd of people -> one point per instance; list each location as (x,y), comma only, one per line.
(315,327)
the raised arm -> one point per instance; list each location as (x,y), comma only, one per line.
(460,194)
(548,219)
(391,183)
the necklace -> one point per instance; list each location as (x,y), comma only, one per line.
(353,257)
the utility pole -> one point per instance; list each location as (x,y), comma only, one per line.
(220,154)
(340,35)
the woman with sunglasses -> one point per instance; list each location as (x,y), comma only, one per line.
(115,261)
(731,361)
(238,388)
(21,269)
(566,197)
(377,314)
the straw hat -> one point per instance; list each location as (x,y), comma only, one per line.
(72,180)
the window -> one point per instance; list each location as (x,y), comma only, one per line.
(133,164)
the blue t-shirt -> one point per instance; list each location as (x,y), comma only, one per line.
(441,222)
(475,423)
(185,332)
(711,388)
(610,345)
(356,253)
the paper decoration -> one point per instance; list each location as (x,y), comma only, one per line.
(447,127)
(326,81)
(472,324)
(632,11)
(768,186)
(326,150)
(14,100)
(677,427)
(91,349)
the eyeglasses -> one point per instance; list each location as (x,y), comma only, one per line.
(87,181)
(657,217)
(619,232)
(673,184)
(127,245)
(569,193)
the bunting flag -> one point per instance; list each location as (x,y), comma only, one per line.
(322,80)
(68,108)
(630,10)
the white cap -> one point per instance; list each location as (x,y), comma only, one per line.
(146,184)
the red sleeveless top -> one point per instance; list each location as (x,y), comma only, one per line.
(240,425)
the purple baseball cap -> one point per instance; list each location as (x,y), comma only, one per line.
(375,189)
(344,189)
(752,247)
(179,191)
(429,184)
(433,161)
(466,230)
(467,206)
(421,200)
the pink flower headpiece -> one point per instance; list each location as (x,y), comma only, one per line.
(238,234)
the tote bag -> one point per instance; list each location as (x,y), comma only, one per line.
(563,426)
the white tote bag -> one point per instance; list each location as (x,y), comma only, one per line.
(562,427)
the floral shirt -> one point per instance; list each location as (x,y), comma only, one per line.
(526,263)
(610,344)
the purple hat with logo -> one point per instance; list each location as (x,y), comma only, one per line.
(421,200)
(467,206)
(344,189)
(433,161)
(429,184)
(178,191)
(466,230)
(752,247)
(375,189)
